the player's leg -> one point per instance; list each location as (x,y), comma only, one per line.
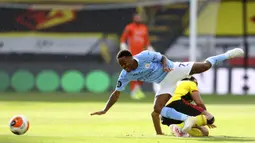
(199,131)
(171,113)
(132,85)
(203,117)
(193,132)
(202,129)
(177,131)
(141,94)
(172,124)
(191,110)
(176,128)
(158,103)
(168,112)
(199,67)
(166,89)
(135,86)
(136,91)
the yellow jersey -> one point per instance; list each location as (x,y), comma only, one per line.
(184,91)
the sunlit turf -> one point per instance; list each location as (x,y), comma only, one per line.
(64,118)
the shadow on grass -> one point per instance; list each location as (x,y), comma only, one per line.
(38,139)
(67,139)
(226,138)
(103,97)
(198,139)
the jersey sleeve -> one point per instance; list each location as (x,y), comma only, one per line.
(122,82)
(150,56)
(125,34)
(146,37)
(193,87)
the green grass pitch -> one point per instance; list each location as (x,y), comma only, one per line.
(64,118)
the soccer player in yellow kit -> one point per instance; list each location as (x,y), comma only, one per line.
(186,92)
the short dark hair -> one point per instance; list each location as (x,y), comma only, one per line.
(192,78)
(124,53)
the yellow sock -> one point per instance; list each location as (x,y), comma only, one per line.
(201,120)
(195,132)
(181,125)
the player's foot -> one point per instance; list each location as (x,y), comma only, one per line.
(237,52)
(137,94)
(177,131)
(141,94)
(188,124)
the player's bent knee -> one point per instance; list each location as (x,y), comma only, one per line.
(200,67)
(153,113)
(210,121)
(207,66)
(157,109)
(204,67)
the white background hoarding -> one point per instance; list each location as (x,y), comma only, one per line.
(208,46)
(206,81)
(34,44)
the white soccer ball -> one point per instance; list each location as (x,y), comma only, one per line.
(19,125)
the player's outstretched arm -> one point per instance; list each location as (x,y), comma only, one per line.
(156,57)
(124,38)
(197,99)
(111,101)
(164,61)
(156,123)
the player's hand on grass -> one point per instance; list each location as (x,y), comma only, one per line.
(160,134)
(212,126)
(98,113)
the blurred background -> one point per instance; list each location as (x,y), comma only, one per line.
(69,46)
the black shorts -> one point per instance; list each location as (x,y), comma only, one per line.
(184,107)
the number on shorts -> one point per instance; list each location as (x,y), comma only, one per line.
(183,65)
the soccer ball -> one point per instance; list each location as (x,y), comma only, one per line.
(19,125)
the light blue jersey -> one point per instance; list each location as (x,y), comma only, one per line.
(150,69)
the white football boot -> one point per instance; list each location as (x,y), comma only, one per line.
(188,124)
(237,52)
(177,131)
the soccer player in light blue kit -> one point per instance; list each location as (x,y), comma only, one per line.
(154,67)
